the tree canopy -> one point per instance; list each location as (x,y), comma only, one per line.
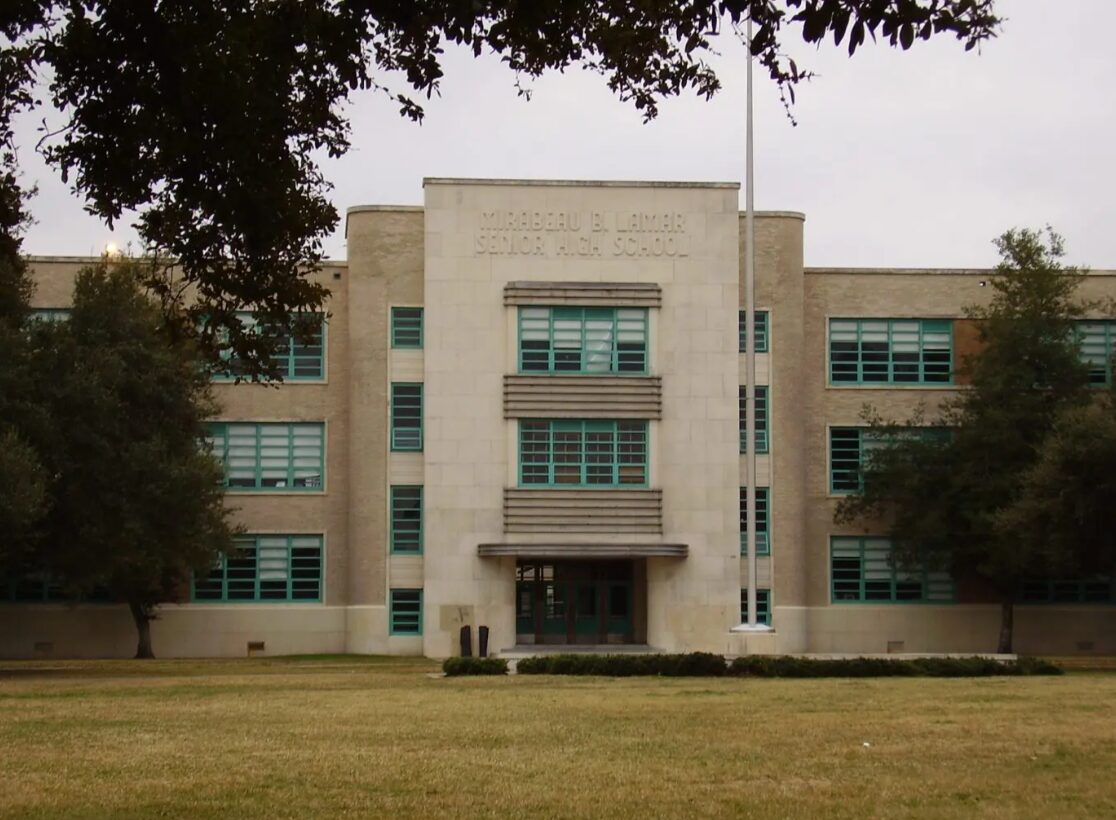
(945,498)
(207,117)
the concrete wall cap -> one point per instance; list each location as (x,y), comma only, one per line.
(88,260)
(579,183)
(778,215)
(826,271)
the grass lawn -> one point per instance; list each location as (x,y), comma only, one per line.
(358,737)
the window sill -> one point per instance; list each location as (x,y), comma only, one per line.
(895,386)
(283,492)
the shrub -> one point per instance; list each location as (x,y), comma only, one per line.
(781,666)
(705,664)
(693,664)
(474,666)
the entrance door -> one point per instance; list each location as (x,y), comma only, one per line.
(619,611)
(575,602)
(554,612)
(587,612)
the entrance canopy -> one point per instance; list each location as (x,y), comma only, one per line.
(583,550)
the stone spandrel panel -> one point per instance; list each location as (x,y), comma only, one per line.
(480,236)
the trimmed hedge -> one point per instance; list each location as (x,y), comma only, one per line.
(693,664)
(780,666)
(474,666)
(704,664)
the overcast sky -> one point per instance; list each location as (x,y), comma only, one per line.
(912,158)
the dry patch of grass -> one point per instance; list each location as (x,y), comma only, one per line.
(338,736)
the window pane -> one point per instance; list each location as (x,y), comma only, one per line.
(583,340)
(583,453)
(295,356)
(265,568)
(270,456)
(406,416)
(890,351)
(406,612)
(406,519)
(861,570)
(763,542)
(406,327)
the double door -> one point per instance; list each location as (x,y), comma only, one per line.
(575,602)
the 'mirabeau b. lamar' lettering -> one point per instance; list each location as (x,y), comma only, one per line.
(573,234)
(598,221)
(522,221)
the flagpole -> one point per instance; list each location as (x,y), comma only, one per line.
(750,349)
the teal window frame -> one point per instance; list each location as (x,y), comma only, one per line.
(850,446)
(897,352)
(407,416)
(297,361)
(405,611)
(407,328)
(1097,590)
(761,332)
(861,572)
(763,532)
(270,456)
(846,459)
(42,588)
(1096,340)
(567,453)
(32,588)
(763,416)
(763,605)
(560,340)
(265,568)
(406,519)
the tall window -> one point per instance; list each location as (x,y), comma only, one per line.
(405,612)
(1098,340)
(763,542)
(760,332)
(861,572)
(264,568)
(406,519)
(763,606)
(583,453)
(270,456)
(890,351)
(406,327)
(406,416)
(582,340)
(296,357)
(761,420)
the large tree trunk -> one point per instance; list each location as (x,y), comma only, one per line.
(1007,626)
(142,616)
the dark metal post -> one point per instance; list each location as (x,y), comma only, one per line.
(466,641)
(482,641)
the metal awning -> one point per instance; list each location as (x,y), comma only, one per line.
(584,550)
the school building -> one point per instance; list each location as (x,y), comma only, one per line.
(524,412)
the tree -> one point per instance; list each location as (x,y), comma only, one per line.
(136,502)
(944,497)
(207,117)
(1066,511)
(23,500)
